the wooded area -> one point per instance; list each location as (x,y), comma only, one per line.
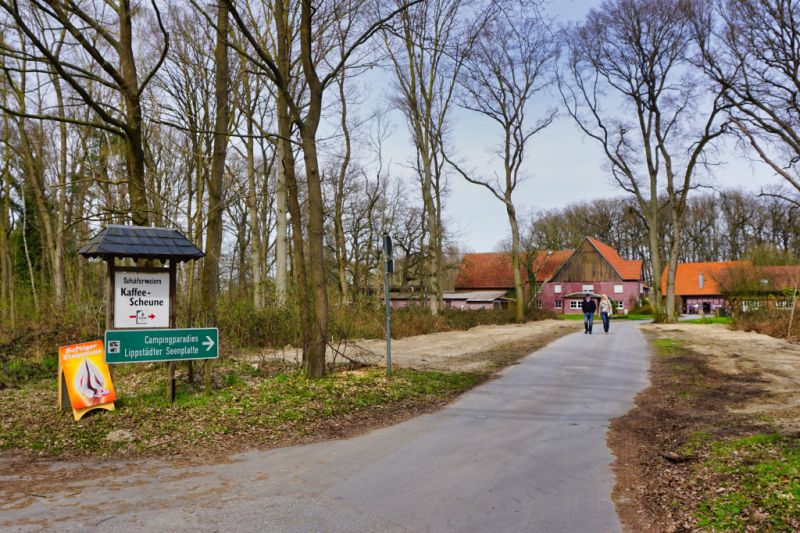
(246,125)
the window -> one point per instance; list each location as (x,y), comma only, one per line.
(620,304)
(588,288)
(750,305)
(557,289)
(538,304)
(783,304)
(618,289)
(574,304)
(559,304)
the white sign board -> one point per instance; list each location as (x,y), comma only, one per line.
(141,299)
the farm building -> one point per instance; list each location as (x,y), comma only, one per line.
(473,300)
(596,268)
(560,278)
(697,285)
(733,286)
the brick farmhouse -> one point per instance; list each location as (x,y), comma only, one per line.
(560,279)
(699,286)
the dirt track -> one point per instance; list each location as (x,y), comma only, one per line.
(774,361)
(468,351)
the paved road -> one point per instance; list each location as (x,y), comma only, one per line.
(525,452)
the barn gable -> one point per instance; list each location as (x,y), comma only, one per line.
(587,264)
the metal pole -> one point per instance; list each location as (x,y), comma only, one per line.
(388,319)
(388,268)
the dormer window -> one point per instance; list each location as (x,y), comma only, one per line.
(701,281)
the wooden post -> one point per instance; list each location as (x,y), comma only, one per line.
(110,298)
(111,266)
(172,324)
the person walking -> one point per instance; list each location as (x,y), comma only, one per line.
(589,307)
(606,310)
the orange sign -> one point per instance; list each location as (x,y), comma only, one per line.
(84,374)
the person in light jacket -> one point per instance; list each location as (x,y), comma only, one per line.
(606,310)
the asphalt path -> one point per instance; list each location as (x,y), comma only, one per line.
(523,452)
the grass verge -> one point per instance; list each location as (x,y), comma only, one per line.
(759,484)
(252,407)
(689,459)
(579,316)
(710,320)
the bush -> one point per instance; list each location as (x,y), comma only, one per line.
(242,326)
(29,351)
(773,322)
(644,309)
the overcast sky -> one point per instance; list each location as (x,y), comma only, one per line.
(562,165)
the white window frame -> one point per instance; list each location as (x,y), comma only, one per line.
(559,304)
(557,289)
(539,303)
(783,304)
(619,288)
(620,304)
(750,305)
(588,288)
(574,304)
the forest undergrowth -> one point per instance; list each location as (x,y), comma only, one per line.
(29,350)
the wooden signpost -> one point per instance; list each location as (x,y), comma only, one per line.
(142,296)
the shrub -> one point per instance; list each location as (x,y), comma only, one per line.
(773,322)
(643,309)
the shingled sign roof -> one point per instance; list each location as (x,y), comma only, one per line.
(140,242)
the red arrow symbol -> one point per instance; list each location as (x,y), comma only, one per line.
(152,317)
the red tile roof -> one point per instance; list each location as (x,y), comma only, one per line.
(493,270)
(687,277)
(629,270)
(780,277)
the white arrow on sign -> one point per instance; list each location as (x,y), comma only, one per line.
(208,343)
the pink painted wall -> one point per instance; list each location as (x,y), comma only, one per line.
(630,293)
(401,303)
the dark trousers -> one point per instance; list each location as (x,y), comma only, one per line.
(604,316)
(588,319)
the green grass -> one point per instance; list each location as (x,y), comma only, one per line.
(635,317)
(249,408)
(710,320)
(579,316)
(761,484)
(667,346)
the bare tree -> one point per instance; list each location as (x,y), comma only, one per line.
(312,25)
(91,35)
(754,55)
(427,51)
(510,64)
(640,55)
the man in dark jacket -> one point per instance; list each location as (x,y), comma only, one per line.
(589,307)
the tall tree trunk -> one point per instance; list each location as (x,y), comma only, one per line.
(338,223)
(287,167)
(61,199)
(211,267)
(257,254)
(431,256)
(281,226)
(134,145)
(655,256)
(6,273)
(314,359)
(515,251)
(672,263)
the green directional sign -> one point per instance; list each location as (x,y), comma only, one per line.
(149,345)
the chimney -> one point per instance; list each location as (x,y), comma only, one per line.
(701,280)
